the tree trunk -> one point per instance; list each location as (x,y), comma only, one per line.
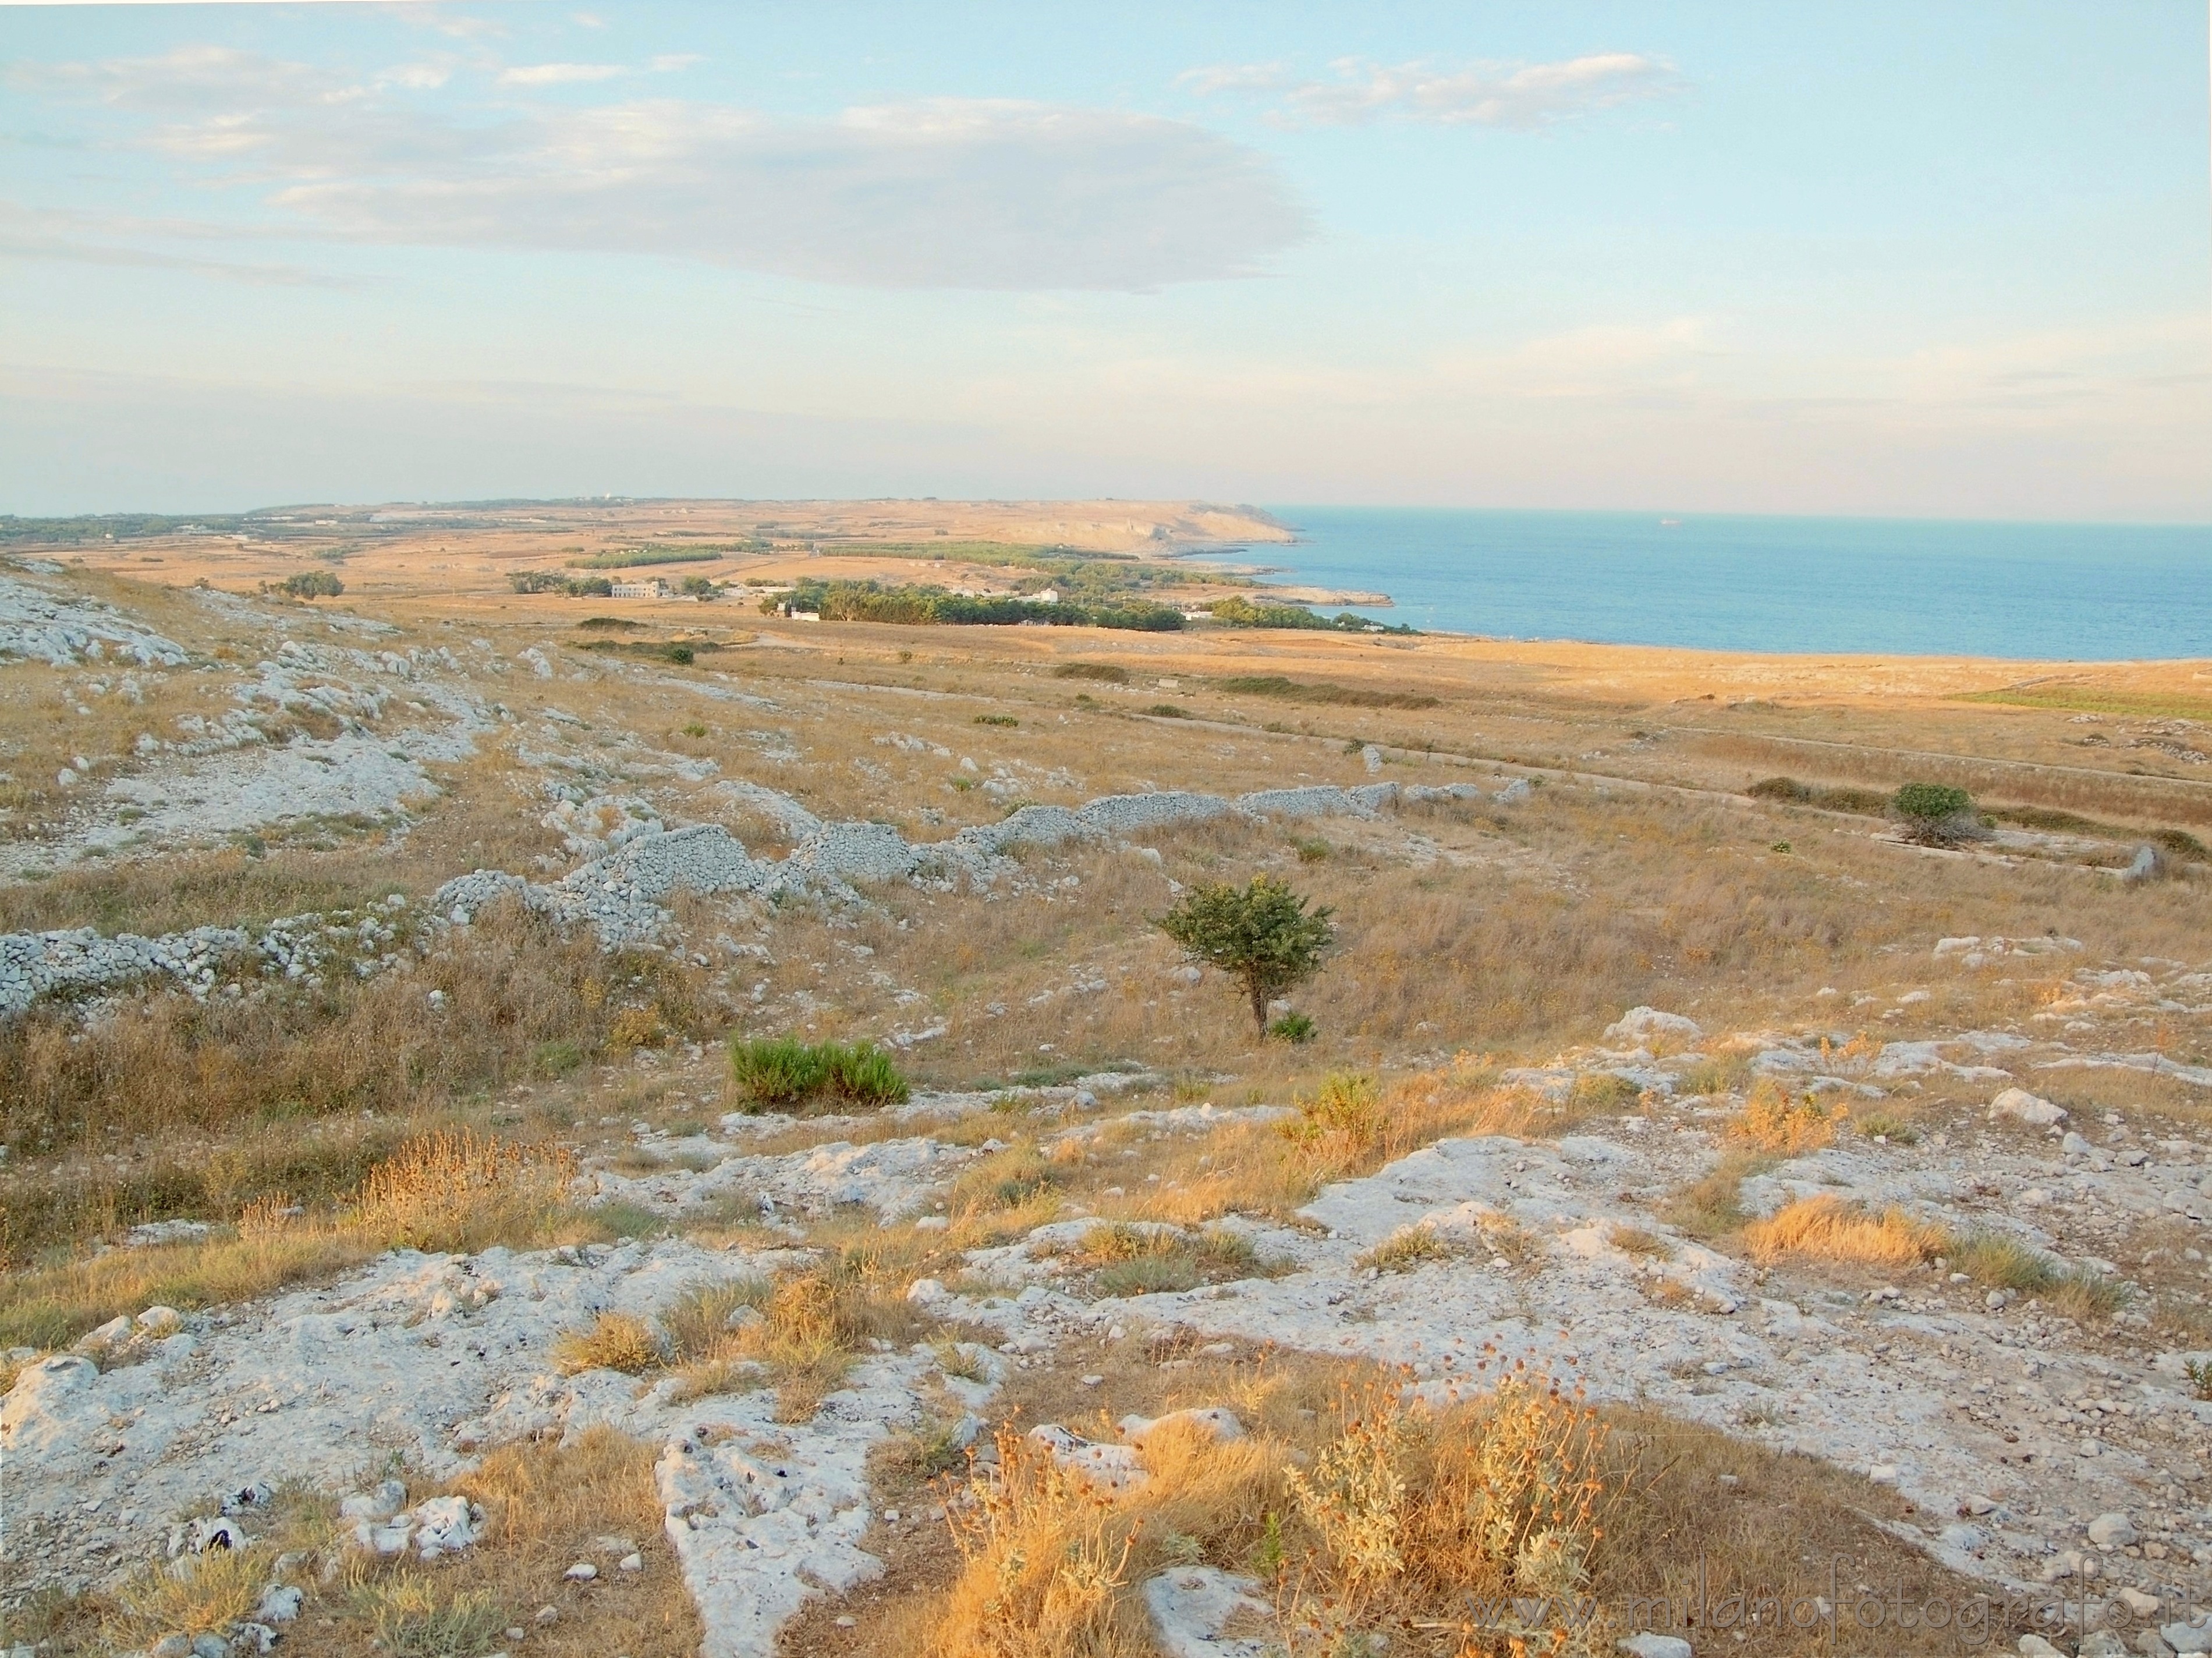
(1259,1004)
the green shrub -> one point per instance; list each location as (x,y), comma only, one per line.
(1935,814)
(1167,711)
(776,1070)
(1293,1028)
(1242,612)
(996,720)
(311,584)
(629,558)
(1279,685)
(557,1059)
(1779,788)
(862,1074)
(782,1071)
(1106,672)
(1262,933)
(917,606)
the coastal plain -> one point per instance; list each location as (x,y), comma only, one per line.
(1853,1189)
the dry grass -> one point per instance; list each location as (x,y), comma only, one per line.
(614,1341)
(448,1191)
(206,1595)
(1788,1126)
(1369,1514)
(1405,1250)
(1463,1490)
(1830,1229)
(1711,1206)
(1126,1259)
(169,1066)
(1637,1241)
(545,1506)
(460,1191)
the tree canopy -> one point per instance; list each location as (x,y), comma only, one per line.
(1263,934)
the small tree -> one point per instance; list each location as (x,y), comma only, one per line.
(1935,814)
(312,584)
(1262,933)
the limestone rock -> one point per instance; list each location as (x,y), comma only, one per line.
(1191,1606)
(1649,1645)
(2024,1107)
(1639,1024)
(1213,1421)
(2111,1530)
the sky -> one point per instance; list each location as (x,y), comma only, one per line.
(1888,259)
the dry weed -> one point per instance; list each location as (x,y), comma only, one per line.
(443,1191)
(459,1191)
(199,1594)
(1830,1229)
(1788,1126)
(1405,1250)
(615,1341)
(1403,1512)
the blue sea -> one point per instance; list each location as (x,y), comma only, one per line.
(2050,591)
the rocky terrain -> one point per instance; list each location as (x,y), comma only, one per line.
(2016,1093)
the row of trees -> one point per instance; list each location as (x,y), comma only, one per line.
(872,601)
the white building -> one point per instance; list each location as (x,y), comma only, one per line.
(650,587)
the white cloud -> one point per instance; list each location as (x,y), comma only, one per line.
(560,75)
(417,77)
(1234,77)
(1522,96)
(27,233)
(940,193)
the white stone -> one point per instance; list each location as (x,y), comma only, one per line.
(582,1572)
(2111,1530)
(2024,1107)
(1113,1466)
(280,1604)
(381,1503)
(2188,1638)
(1649,1645)
(1191,1606)
(444,1524)
(1213,1422)
(1640,1023)
(113,1333)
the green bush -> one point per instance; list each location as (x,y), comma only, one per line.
(862,1074)
(557,1059)
(630,557)
(1779,788)
(1261,933)
(1293,1028)
(1242,612)
(782,1071)
(311,584)
(1105,672)
(776,1070)
(1935,814)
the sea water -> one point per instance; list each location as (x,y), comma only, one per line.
(2051,592)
